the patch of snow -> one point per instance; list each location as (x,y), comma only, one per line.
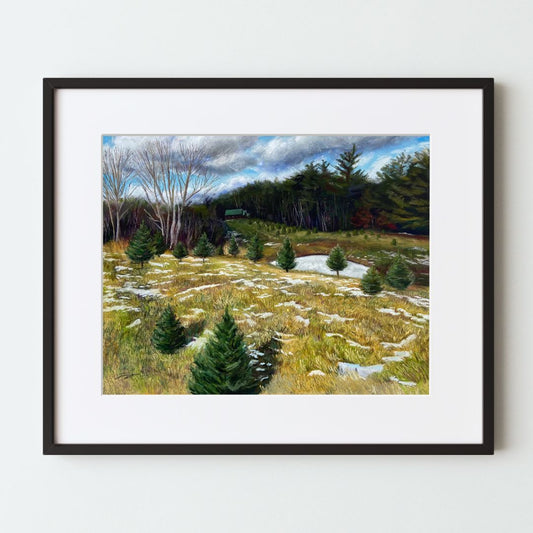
(398,356)
(262,296)
(248,283)
(350,342)
(292,303)
(316,373)
(416,300)
(120,308)
(120,267)
(134,324)
(400,344)
(388,311)
(200,288)
(317,263)
(363,371)
(271,244)
(138,291)
(263,315)
(335,317)
(406,383)
(304,321)
(249,321)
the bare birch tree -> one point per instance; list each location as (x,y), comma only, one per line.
(172,176)
(117,173)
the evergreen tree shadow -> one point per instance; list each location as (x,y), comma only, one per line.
(195,329)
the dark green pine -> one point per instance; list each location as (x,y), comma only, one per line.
(286,258)
(140,248)
(399,275)
(337,260)
(169,334)
(255,249)
(224,366)
(203,248)
(233,247)
(179,251)
(371,282)
(159,244)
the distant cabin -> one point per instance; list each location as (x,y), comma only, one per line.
(235,213)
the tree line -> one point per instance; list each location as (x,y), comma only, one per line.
(326,197)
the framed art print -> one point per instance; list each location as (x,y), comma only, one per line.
(285,266)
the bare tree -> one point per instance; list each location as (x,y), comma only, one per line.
(194,179)
(117,173)
(172,177)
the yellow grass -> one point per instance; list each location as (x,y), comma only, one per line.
(318,321)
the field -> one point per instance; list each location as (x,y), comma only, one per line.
(300,327)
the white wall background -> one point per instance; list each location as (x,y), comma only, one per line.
(275,38)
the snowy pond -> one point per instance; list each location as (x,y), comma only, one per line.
(317,263)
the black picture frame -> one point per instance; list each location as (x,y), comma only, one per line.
(51,85)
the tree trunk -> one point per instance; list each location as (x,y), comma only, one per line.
(117,229)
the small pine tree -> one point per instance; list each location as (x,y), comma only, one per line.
(371,282)
(337,260)
(233,247)
(169,334)
(203,248)
(315,230)
(140,248)
(399,275)
(158,244)
(255,249)
(286,257)
(394,242)
(220,250)
(224,366)
(180,251)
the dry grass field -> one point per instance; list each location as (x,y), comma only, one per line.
(303,330)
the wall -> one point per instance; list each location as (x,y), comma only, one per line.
(275,38)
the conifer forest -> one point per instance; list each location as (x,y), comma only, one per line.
(267,264)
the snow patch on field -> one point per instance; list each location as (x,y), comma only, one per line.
(248,283)
(348,341)
(138,291)
(400,344)
(406,383)
(120,308)
(334,318)
(397,357)
(304,321)
(293,304)
(362,371)
(134,324)
(317,263)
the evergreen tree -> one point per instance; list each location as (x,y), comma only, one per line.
(286,257)
(233,247)
(337,260)
(180,251)
(220,250)
(224,366)
(140,248)
(203,248)
(371,282)
(399,275)
(158,244)
(255,249)
(169,334)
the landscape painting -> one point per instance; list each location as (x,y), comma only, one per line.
(265,264)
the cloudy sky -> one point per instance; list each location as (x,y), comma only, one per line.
(239,159)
